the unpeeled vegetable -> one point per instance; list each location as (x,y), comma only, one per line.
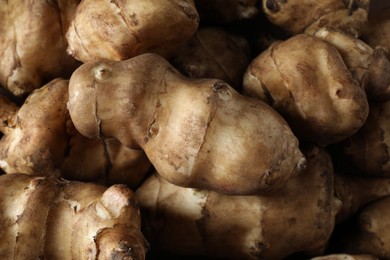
(33,44)
(44,218)
(196,132)
(306,80)
(40,139)
(118,30)
(300,217)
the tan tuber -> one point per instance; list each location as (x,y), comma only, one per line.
(44,218)
(306,80)
(196,132)
(118,30)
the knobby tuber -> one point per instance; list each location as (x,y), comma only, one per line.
(44,218)
(118,30)
(298,16)
(184,221)
(307,81)
(33,44)
(196,132)
(369,66)
(40,139)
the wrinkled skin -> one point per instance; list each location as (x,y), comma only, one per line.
(184,221)
(52,219)
(298,16)
(33,44)
(118,30)
(35,137)
(306,80)
(214,53)
(104,161)
(40,139)
(298,218)
(369,66)
(196,132)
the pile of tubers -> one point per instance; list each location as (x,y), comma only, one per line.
(201,129)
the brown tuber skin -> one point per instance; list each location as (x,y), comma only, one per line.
(368,148)
(214,53)
(369,234)
(118,30)
(298,16)
(306,80)
(40,139)
(369,66)
(377,31)
(197,133)
(33,44)
(298,218)
(44,218)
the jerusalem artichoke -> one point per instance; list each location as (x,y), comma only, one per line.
(196,132)
(44,218)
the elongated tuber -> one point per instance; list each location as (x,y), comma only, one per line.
(298,218)
(307,81)
(44,218)
(196,132)
(118,30)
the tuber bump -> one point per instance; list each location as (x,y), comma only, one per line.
(307,81)
(44,218)
(370,67)
(298,218)
(118,30)
(40,139)
(196,132)
(33,44)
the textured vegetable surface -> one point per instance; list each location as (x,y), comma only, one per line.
(119,30)
(52,219)
(196,133)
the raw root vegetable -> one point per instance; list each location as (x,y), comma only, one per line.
(35,138)
(214,53)
(196,132)
(298,16)
(369,66)
(306,80)
(118,30)
(33,44)
(226,11)
(368,148)
(369,233)
(40,139)
(104,161)
(44,218)
(298,218)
